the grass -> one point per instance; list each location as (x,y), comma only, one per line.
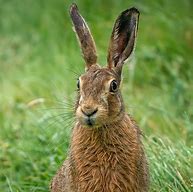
(40,61)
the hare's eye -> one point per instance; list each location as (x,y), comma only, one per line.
(78,84)
(113,86)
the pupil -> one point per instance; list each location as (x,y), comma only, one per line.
(113,87)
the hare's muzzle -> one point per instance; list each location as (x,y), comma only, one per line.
(88,115)
(89,112)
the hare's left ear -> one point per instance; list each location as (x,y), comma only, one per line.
(123,38)
(85,38)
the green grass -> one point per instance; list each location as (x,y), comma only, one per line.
(40,58)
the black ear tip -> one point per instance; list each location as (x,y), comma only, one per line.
(73,7)
(134,10)
(128,12)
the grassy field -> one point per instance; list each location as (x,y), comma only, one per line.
(40,61)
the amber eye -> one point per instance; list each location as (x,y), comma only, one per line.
(113,86)
(78,84)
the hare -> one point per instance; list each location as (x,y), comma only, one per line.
(106,153)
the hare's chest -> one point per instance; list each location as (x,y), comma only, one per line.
(105,172)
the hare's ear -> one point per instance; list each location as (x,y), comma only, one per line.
(84,36)
(123,38)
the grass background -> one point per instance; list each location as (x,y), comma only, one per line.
(40,61)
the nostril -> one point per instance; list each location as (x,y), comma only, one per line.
(94,112)
(89,112)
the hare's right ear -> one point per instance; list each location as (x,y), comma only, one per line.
(85,38)
(123,38)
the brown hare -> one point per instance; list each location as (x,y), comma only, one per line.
(106,153)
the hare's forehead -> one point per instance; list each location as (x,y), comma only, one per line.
(98,76)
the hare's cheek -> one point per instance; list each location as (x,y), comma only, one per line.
(78,112)
(114,104)
(79,115)
(80,100)
(104,101)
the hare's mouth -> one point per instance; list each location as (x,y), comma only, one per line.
(87,116)
(90,121)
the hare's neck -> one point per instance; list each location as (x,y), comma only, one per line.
(103,137)
(98,144)
(100,153)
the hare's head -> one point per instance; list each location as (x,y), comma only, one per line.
(99,99)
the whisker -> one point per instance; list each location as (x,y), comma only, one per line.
(60,115)
(59,140)
(57,108)
(78,73)
(64,102)
(55,121)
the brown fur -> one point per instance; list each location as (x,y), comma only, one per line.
(83,33)
(106,153)
(107,159)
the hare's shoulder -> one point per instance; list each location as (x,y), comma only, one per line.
(60,182)
(134,124)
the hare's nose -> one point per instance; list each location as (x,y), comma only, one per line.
(89,111)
